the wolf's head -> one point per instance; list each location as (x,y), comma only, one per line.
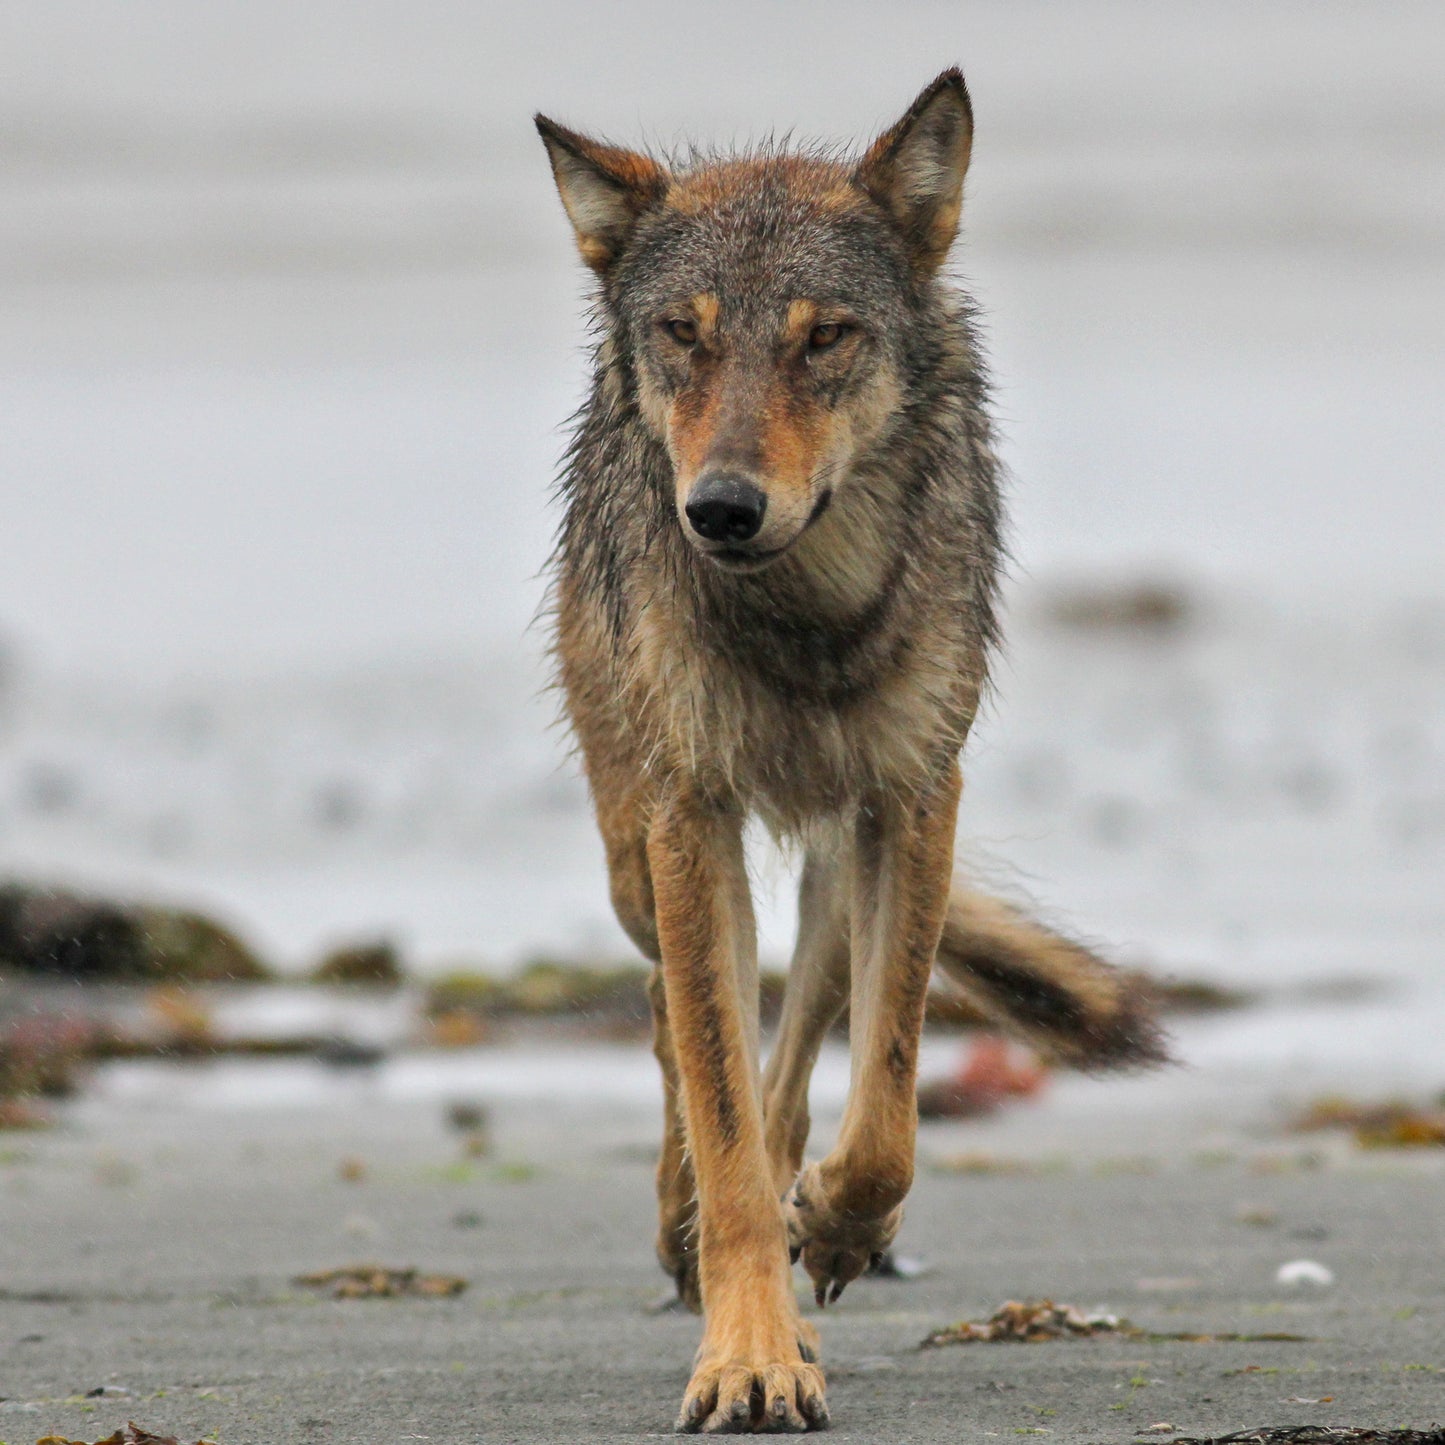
(763,302)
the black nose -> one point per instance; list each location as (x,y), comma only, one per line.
(725,507)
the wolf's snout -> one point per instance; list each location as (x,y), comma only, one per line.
(725,507)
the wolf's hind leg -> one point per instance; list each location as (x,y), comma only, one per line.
(846,1209)
(624,836)
(816,993)
(676,1189)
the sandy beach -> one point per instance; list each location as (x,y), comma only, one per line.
(151,1248)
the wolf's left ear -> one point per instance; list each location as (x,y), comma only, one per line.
(603,187)
(915,169)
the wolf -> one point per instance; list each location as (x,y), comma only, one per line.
(774,596)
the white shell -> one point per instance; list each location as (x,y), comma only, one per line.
(1304,1272)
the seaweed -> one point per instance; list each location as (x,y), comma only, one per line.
(132,1434)
(375,1281)
(1037,1321)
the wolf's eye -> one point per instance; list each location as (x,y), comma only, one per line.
(830,333)
(682,331)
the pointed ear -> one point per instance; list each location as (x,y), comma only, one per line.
(915,170)
(604,189)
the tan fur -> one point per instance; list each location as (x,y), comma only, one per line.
(802,316)
(846,1209)
(717,185)
(705,928)
(705,308)
(691,429)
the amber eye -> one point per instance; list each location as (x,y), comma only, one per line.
(682,331)
(830,333)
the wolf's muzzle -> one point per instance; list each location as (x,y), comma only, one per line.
(726,507)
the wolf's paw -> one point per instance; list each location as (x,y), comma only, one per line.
(836,1246)
(739,1397)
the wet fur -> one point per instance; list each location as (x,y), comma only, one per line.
(824,681)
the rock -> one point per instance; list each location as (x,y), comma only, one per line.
(376,963)
(56,932)
(53,931)
(180,945)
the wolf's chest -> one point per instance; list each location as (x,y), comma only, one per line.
(796,754)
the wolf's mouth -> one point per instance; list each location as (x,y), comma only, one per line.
(735,559)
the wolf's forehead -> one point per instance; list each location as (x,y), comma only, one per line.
(770,183)
(757,234)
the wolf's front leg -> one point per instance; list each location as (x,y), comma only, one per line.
(847,1209)
(750,1373)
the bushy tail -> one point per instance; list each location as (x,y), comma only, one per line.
(1077,1010)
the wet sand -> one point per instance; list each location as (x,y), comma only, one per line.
(149,1249)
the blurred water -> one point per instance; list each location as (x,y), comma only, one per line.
(1261,798)
(289,320)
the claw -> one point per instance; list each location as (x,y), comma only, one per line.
(816,1409)
(820,1294)
(838,1287)
(795,1253)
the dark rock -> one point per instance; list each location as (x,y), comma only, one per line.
(55,932)
(51,931)
(377,963)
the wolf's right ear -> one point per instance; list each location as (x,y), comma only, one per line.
(604,189)
(915,169)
